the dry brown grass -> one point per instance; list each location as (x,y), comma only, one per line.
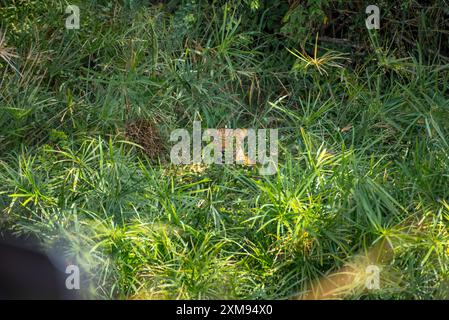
(145,134)
(7,53)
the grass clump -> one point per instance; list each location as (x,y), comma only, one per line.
(85,117)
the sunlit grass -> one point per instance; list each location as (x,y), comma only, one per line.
(363,160)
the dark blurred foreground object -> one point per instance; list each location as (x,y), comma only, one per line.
(26,273)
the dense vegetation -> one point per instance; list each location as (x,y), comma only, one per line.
(86,115)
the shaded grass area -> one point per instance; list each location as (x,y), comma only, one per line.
(85,118)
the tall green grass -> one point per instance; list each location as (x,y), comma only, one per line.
(364,155)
